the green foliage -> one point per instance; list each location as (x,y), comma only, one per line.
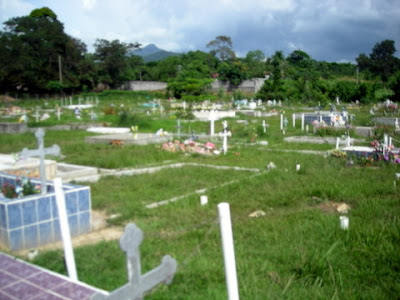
(188,86)
(113,60)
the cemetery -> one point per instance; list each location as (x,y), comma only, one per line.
(313,205)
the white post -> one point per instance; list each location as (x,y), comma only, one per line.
(212,120)
(281,121)
(320,119)
(307,128)
(302,122)
(58,113)
(337,143)
(70,100)
(390,141)
(37,115)
(294,120)
(385,140)
(228,250)
(65,233)
(348,140)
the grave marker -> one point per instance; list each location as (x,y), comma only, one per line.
(264,125)
(41,152)
(212,122)
(178,127)
(225,134)
(294,120)
(302,122)
(37,115)
(138,284)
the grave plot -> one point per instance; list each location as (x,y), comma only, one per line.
(130,194)
(31,221)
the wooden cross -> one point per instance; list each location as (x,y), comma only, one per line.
(41,152)
(138,284)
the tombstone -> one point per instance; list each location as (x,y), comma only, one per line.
(41,152)
(23,119)
(337,101)
(302,122)
(294,120)
(93,116)
(45,117)
(77,113)
(138,284)
(281,122)
(285,122)
(58,113)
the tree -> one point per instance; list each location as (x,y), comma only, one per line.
(221,48)
(255,61)
(113,60)
(381,62)
(31,48)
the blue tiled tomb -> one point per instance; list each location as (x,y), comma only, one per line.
(31,221)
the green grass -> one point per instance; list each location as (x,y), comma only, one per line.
(296,251)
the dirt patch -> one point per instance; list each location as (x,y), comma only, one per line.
(331,207)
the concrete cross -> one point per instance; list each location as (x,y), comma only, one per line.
(138,284)
(37,115)
(41,152)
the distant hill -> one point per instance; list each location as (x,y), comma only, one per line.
(152,53)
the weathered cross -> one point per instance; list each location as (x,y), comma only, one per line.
(138,284)
(41,152)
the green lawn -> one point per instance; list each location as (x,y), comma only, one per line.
(296,251)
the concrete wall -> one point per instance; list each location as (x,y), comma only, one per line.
(247,86)
(135,85)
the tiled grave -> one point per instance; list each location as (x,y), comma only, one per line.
(31,221)
(20,280)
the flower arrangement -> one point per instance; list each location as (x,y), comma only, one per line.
(23,187)
(8,190)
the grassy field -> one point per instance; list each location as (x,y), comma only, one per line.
(296,251)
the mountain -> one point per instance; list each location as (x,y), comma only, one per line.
(152,53)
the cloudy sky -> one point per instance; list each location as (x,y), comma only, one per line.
(330,30)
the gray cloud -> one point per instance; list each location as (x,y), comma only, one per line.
(332,30)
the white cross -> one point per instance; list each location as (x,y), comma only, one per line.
(41,152)
(138,284)
(264,125)
(225,134)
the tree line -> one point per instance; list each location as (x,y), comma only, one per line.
(37,56)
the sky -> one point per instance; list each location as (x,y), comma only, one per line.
(329,30)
